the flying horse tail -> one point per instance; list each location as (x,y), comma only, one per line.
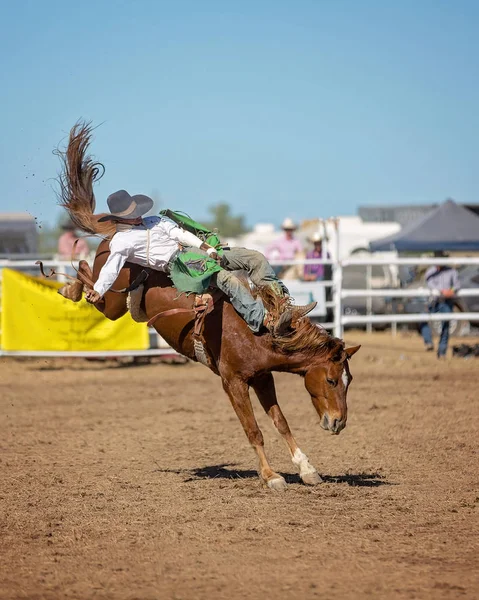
(79,173)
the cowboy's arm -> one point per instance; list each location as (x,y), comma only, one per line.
(109,272)
(455,285)
(188,239)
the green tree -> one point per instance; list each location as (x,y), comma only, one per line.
(226,224)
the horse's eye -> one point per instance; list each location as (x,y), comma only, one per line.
(332,382)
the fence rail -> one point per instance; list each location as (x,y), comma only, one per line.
(370,319)
(339,294)
(403,293)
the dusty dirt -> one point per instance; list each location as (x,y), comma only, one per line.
(138,483)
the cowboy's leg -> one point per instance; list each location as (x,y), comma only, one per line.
(258,268)
(251,310)
(425,331)
(444,307)
(425,328)
(263,385)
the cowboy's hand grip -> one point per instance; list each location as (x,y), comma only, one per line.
(92,296)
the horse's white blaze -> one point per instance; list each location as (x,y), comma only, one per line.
(345,378)
(302,462)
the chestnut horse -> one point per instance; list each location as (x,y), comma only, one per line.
(241,358)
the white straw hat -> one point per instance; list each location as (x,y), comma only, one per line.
(288,224)
(316,237)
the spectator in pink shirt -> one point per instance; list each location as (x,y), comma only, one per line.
(287,247)
(67,241)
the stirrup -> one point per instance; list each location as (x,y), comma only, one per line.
(302,311)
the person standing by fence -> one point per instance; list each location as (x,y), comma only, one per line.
(316,272)
(70,245)
(287,247)
(443,281)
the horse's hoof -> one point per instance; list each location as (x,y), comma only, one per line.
(278,484)
(311,478)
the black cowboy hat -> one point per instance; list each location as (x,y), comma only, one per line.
(124,206)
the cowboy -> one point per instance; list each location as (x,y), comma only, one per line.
(157,243)
(287,246)
(443,281)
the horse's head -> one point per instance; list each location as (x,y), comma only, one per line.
(327,381)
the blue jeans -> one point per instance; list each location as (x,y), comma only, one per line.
(255,264)
(259,271)
(441,306)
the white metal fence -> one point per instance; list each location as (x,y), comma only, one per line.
(339,293)
(334,305)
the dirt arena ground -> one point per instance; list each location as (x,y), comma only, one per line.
(138,483)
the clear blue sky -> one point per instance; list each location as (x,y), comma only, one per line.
(280,108)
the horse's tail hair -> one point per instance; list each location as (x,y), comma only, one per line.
(79,173)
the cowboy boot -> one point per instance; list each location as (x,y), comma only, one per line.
(302,311)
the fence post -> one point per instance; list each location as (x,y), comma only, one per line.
(338,304)
(369,300)
(338,284)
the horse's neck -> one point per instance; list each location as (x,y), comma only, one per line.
(295,362)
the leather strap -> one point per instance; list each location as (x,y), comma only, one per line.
(169,313)
(141,278)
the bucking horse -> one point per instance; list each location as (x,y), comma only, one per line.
(214,333)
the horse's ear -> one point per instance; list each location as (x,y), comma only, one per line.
(352,350)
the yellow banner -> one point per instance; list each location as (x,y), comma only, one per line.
(35,317)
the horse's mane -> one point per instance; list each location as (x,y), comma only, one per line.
(305,337)
(79,173)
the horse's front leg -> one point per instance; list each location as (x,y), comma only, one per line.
(263,385)
(238,394)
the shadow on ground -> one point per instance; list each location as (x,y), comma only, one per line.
(227,471)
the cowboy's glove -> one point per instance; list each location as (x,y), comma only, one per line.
(211,252)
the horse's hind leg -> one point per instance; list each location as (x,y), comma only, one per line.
(263,385)
(238,394)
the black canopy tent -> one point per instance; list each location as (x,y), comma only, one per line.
(447,227)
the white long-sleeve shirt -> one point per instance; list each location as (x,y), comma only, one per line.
(134,246)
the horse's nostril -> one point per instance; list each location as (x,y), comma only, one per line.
(335,424)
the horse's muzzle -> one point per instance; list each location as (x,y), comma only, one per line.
(335,426)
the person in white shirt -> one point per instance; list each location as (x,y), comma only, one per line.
(155,242)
